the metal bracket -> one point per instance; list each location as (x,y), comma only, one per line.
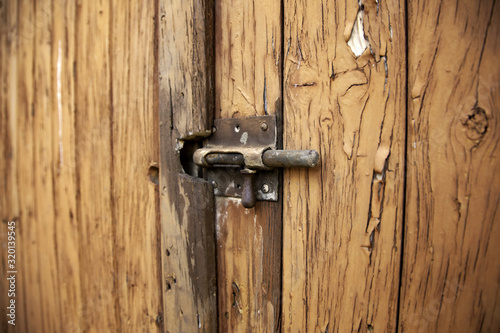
(250,136)
(241,156)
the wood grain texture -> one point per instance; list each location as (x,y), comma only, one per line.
(135,159)
(342,220)
(248,83)
(21,106)
(8,152)
(63,118)
(87,215)
(94,167)
(451,272)
(44,157)
(248,58)
(186,105)
(248,267)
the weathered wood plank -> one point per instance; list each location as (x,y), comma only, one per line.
(94,168)
(185,88)
(185,59)
(29,314)
(63,145)
(451,272)
(248,67)
(248,267)
(345,97)
(248,83)
(88,238)
(9,205)
(44,157)
(135,150)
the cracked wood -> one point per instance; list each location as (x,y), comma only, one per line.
(451,270)
(343,221)
(248,83)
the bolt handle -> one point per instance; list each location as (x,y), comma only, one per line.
(252,160)
(290,158)
(248,199)
(271,158)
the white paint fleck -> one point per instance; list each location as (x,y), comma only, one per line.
(357,42)
(59,103)
(244,138)
(179,144)
(221,216)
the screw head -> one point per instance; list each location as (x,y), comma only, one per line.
(264,126)
(265,188)
(214,129)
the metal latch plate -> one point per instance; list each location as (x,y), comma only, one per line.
(251,132)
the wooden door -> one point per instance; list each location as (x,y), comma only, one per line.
(104,102)
(79,163)
(358,236)
(315,265)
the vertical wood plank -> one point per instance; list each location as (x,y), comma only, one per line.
(186,105)
(95,205)
(344,92)
(248,263)
(451,272)
(135,156)
(44,157)
(9,205)
(63,146)
(248,49)
(77,152)
(29,315)
(248,83)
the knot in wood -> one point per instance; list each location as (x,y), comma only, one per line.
(476,123)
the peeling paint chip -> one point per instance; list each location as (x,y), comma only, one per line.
(244,138)
(357,42)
